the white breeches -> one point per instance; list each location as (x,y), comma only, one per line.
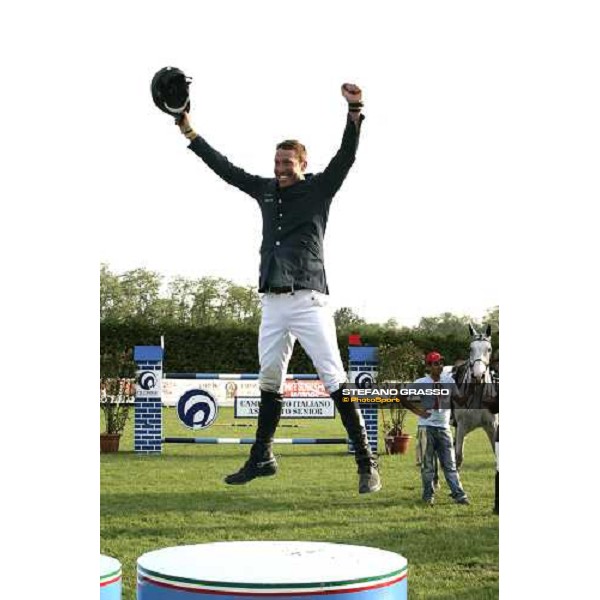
(304,316)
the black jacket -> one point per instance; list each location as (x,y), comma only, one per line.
(294,218)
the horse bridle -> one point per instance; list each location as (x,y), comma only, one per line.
(479,338)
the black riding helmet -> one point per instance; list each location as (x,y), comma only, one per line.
(170,91)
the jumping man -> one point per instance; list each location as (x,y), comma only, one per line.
(295,208)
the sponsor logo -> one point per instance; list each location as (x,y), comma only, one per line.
(197,409)
(147,380)
(364,380)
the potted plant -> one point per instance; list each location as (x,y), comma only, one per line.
(117,395)
(398,365)
(116,399)
(396,440)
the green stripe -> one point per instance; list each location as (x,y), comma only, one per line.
(270,586)
(109,575)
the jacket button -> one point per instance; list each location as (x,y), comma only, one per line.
(279,201)
(277,243)
(279,228)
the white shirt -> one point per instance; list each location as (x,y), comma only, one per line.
(440,417)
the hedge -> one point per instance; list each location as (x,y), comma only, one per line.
(234,349)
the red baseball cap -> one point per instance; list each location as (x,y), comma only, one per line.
(433,357)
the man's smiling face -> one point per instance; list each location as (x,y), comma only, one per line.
(289,167)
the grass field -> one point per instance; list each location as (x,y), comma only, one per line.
(150,502)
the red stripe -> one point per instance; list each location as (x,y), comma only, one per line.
(275,594)
(109,581)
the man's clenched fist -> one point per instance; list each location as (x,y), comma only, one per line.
(351,92)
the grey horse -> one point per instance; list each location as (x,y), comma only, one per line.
(475,383)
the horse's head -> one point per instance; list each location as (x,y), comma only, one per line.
(480,352)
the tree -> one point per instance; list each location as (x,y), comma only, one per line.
(391,324)
(110,293)
(244,305)
(446,324)
(346,319)
(212,301)
(138,294)
(131,295)
(492,317)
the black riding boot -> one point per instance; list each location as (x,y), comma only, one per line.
(368,470)
(261,462)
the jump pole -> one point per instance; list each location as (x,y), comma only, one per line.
(235,376)
(289,441)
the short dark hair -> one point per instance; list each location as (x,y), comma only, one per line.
(295,145)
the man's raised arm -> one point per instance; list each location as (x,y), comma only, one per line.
(251,184)
(333,176)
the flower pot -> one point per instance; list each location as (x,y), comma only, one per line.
(397,444)
(109,442)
